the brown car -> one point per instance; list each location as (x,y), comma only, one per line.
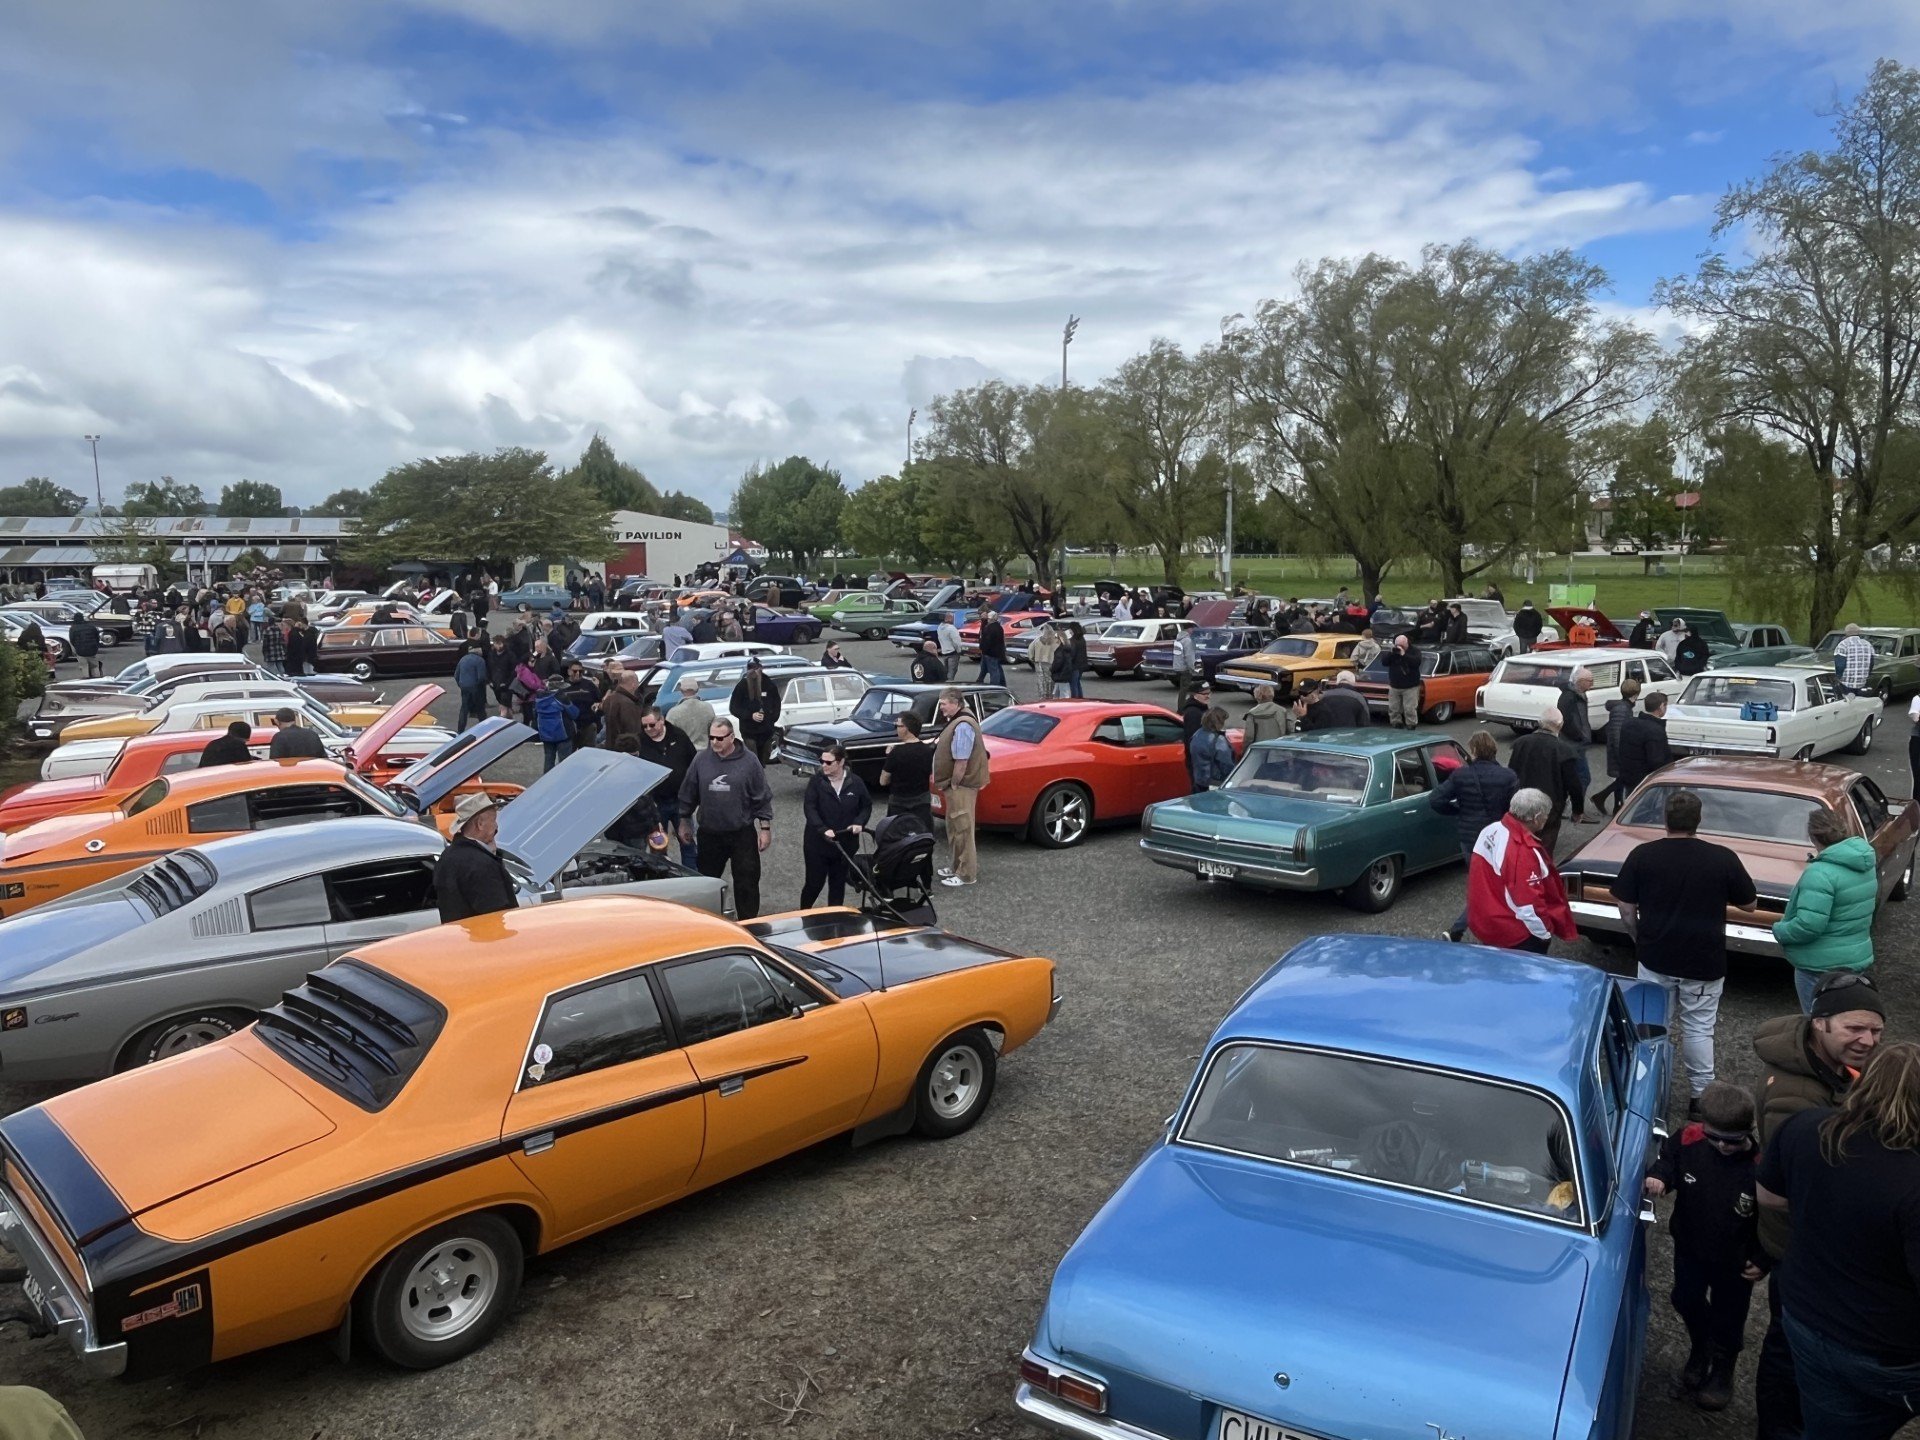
(370,650)
(1758,809)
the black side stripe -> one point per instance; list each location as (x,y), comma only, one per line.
(80,1199)
(127,1257)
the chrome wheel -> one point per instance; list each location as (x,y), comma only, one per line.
(956,1081)
(179,1039)
(1382,879)
(1063,816)
(448,1289)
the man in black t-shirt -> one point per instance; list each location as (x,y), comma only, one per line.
(908,770)
(1673,895)
(1850,1284)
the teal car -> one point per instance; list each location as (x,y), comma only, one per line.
(871,616)
(1762,643)
(1342,810)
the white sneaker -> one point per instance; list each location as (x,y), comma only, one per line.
(944,871)
(955,881)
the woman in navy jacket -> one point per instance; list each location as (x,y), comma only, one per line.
(837,808)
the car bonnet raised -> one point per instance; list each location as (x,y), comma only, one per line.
(552,820)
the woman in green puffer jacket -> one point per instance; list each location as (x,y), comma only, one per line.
(1829,921)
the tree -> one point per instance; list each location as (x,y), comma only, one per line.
(494,508)
(1158,415)
(153,499)
(251,497)
(792,508)
(342,504)
(619,485)
(882,519)
(1635,462)
(132,540)
(1815,341)
(675,505)
(39,496)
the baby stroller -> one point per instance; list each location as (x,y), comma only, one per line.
(897,876)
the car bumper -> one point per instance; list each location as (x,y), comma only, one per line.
(1050,1414)
(1245,872)
(64,1312)
(1741,939)
(1705,747)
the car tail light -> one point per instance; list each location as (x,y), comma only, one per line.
(1300,845)
(1078,1390)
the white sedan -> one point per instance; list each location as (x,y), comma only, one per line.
(1763,710)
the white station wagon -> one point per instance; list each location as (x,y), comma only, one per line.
(1761,710)
(1525,685)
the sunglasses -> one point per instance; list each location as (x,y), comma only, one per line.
(719,735)
(1845,981)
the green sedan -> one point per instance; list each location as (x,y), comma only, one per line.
(870,615)
(1896,657)
(1342,810)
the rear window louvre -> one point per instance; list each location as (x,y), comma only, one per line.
(360,1032)
(166,885)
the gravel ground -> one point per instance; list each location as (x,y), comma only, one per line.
(887,1292)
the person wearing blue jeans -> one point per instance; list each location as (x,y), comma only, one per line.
(993,650)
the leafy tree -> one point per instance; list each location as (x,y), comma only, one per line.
(154,499)
(678,506)
(1815,341)
(251,497)
(1157,415)
(38,496)
(792,508)
(128,539)
(882,519)
(343,504)
(493,508)
(1635,460)
(619,485)
(959,528)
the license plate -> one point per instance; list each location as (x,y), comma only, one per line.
(1235,1426)
(36,1297)
(1215,870)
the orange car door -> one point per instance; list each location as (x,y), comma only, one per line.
(607,1119)
(786,1066)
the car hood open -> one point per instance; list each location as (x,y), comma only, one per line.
(390,723)
(435,775)
(554,818)
(1393,1314)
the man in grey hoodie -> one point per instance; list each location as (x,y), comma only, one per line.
(1266,720)
(728,789)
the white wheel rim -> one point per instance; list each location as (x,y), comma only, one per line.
(1380,879)
(192,1036)
(449,1289)
(1064,817)
(955,1083)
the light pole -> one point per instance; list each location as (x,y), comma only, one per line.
(99,499)
(1066,339)
(912,415)
(1232,357)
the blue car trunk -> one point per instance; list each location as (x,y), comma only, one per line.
(1206,1276)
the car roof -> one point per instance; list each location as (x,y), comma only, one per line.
(1595,655)
(1356,740)
(1758,672)
(218,779)
(304,849)
(1466,1007)
(1804,777)
(538,949)
(1877,630)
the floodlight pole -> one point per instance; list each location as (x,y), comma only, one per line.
(1066,339)
(99,499)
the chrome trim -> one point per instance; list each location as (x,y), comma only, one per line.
(1589,1226)
(1050,1414)
(1308,879)
(68,1314)
(1741,939)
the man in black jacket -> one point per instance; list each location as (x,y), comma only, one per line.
(1402,660)
(229,748)
(1643,743)
(1527,626)
(1692,654)
(1542,761)
(292,740)
(470,878)
(668,745)
(1642,636)
(993,650)
(84,636)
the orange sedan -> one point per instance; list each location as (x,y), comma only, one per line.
(1057,768)
(401,1131)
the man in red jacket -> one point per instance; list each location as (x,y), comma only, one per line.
(1515,898)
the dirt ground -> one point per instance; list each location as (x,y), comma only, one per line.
(887,1292)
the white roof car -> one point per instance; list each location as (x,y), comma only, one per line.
(1525,685)
(1767,710)
(1491,622)
(601,620)
(147,668)
(79,758)
(723,650)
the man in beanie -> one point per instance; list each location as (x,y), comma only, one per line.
(1811,1062)
(470,878)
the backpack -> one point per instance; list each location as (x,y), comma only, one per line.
(551,719)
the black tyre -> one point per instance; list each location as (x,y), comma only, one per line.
(1884,690)
(1377,888)
(523,607)
(1103,674)
(363,670)
(180,1033)
(1863,742)
(443,1294)
(874,633)
(1061,816)
(1805,753)
(807,635)
(954,1085)
(1441,713)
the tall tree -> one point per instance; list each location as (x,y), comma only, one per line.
(619,485)
(1815,340)
(678,506)
(342,504)
(251,497)
(495,508)
(164,497)
(39,496)
(1158,413)
(792,508)
(1634,461)
(881,520)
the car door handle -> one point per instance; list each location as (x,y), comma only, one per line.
(732,1085)
(537,1144)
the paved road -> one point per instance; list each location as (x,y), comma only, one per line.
(896,1284)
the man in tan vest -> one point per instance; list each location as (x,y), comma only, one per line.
(959,775)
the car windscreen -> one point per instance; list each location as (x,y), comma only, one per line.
(1529,672)
(879,704)
(1308,774)
(150,795)
(1291,645)
(1028,727)
(1882,644)
(355,1029)
(1734,814)
(1730,692)
(1461,1137)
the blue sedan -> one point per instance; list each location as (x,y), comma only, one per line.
(536,595)
(1401,1200)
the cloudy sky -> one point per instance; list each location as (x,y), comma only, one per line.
(303,243)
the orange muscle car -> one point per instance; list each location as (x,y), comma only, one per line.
(1289,660)
(400,1131)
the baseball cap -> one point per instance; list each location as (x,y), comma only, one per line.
(470,806)
(688,685)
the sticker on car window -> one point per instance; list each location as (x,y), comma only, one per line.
(1133,727)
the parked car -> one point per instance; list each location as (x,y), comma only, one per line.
(1013,622)
(62,706)
(870,616)
(779,627)
(723,650)
(661,684)
(1338,1175)
(154,712)
(52,630)
(1759,810)
(912,634)
(1213,646)
(1490,623)
(1061,767)
(367,651)
(1778,713)
(148,667)
(115,625)
(1121,648)
(780,592)
(595,647)
(1338,810)
(1020,646)
(1525,685)
(1286,662)
(1896,658)
(1450,678)
(869,730)
(429,1110)
(1767,643)
(535,595)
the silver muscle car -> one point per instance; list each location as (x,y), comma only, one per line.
(192,946)
(68,702)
